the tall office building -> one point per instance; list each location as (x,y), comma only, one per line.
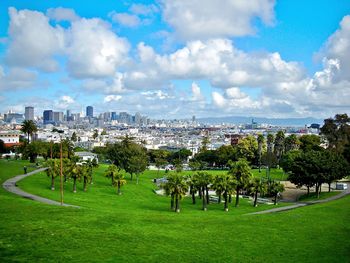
(89,111)
(48,116)
(68,115)
(114,116)
(57,116)
(29,113)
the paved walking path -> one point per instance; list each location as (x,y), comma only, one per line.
(301,204)
(11,186)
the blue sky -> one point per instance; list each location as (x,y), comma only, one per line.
(175,59)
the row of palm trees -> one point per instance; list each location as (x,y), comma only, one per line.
(71,170)
(237,179)
(116,176)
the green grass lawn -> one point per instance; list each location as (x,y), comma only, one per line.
(138,227)
(313,197)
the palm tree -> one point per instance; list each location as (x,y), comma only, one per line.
(261,140)
(257,186)
(86,174)
(77,172)
(279,145)
(53,170)
(111,172)
(193,184)
(29,127)
(275,189)
(176,187)
(225,185)
(240,172)
(203,180)
(119,181)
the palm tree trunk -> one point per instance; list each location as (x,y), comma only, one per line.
(308,190)
(226,203)
(255,198)
(118,185)
(74,185)
(237,197)
(230,198)
(275,201)
(85,183)
(193,195)
(52,183)
(172,202)
(131,176)
(329,187)
(177,203)
(207,194)
(219,199)
(204,202)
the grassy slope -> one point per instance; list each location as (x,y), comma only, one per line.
(138,226)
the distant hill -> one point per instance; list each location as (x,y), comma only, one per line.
(272,121)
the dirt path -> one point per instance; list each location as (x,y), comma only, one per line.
(300,204)
(11,186)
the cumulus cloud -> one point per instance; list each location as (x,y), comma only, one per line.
(62,14)
(17,78)
(64,102)
(110,98)
(216,60)
(33,41)
(125,19)
(94,50)
(145,10)
(203,19)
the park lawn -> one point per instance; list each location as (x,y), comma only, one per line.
(138,227)
(313,197)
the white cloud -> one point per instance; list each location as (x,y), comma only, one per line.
(145,10)
(62,14)
(156,95)
(110,98)
(64,102)
(125,19)
(17,78)
(94,50)
(33,41)
(203,19)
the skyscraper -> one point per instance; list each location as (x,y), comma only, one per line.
(29,113)
(48,116)
(68,116)
(89,111)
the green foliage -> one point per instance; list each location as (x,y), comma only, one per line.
(176,187)
(310,142)
(29,127)
(74,137)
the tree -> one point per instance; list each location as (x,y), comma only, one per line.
(337,132)
(240,172)
(248,148)
(224,185)
(2,147)
(86,174)
(160,158)
(137,164)
(261,140)
(74,137)
(194,187)
(276,188)
(257,186)
(53,170)
(225,153)
(270,140)
(29,127)
(291,143)
(203,180)
(279,145)
(176,187)
(205,143)
(310,142)
(95,134)
(77,172)
(111,172)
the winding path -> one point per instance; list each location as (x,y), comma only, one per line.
(301,204)
(11,186)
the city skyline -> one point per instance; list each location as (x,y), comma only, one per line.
(175,59)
